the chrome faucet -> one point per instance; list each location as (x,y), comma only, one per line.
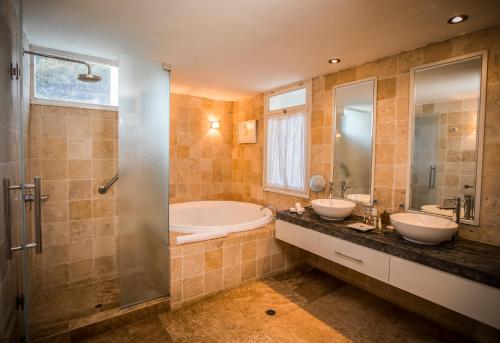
(469,205)
(330,190)
(457,208)
(272,208)
(344,188)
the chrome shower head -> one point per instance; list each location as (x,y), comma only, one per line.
(89,77)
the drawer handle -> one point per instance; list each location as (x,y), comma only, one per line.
(357,260)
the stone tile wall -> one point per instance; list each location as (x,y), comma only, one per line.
(74,150)
(391,146)
(200,157)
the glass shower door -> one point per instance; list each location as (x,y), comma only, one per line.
(143,140)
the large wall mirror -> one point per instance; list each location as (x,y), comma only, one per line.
(353,125)
(446,132)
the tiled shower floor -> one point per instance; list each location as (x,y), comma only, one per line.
(310,307)
(52,310)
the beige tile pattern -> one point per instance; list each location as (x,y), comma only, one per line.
(75,148)
(200,157)
(203,268)
(391,145)
(454,155)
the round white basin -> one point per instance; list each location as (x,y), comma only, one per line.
(333,209)
(422,228)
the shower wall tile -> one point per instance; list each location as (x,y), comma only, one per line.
(74,150)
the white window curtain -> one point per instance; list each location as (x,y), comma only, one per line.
(285,162)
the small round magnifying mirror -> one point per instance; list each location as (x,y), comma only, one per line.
(317,183)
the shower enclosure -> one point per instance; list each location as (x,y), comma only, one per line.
(28,224)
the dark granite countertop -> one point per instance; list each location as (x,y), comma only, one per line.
(469,259)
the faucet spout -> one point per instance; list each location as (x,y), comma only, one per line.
(330,190)
(270,207)
(344,188)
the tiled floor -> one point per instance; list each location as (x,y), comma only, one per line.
(310,307)
(52,310)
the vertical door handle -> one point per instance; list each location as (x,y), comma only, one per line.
(432,177)
(6,218)
(37,185)
(38,214)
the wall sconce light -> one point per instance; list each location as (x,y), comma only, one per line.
(214,124)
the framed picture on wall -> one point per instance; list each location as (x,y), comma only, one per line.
(247,131)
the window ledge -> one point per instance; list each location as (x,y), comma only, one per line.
(304,194)
(35,101)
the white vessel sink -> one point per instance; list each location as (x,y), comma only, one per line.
(333,209)
(422,228)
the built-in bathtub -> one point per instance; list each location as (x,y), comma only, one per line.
(230,243)
(201,220)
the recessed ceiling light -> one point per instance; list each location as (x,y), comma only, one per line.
(334,60)
(457,19)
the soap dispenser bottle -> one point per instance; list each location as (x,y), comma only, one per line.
(374,214)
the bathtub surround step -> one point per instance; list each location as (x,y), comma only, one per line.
(201,269)
(114,319)
(463,258)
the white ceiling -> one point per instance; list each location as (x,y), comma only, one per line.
(228,49)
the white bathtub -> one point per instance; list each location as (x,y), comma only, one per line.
(219,216)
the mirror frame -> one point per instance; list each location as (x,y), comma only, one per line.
(374,133)
(480,140)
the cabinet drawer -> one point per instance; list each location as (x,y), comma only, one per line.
(354,256)
(473,299)
(298,236)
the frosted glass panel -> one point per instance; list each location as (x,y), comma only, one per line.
(143,186)
(289,99)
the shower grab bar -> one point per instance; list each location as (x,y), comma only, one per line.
(104,188)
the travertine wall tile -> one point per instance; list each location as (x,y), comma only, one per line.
(391,157)
(73,150)
(200,157)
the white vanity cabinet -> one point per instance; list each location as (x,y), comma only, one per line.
(470,298)
(297,235)
(364,260)
(473,299)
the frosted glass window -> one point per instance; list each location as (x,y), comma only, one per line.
(57,80)
(286,160)
(293,98)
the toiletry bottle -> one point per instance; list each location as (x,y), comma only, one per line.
(367,216)
(385,220)
(375,214)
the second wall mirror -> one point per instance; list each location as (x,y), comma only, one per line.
(446,137)
(353,126)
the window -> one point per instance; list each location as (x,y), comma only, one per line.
(56,81)
(286,158)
